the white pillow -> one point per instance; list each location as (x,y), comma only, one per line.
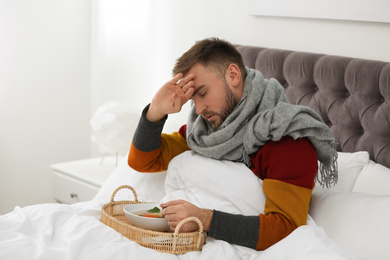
(374,179)
(148,186)
(349,167)
(215,184)
(357,222)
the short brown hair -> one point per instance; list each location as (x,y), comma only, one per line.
(212,53)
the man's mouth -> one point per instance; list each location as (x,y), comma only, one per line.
(209,117)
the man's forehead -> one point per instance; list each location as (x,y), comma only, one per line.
(197,68)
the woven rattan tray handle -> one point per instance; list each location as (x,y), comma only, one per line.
(178,227)
(124,187)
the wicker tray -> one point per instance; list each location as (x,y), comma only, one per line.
(167,242)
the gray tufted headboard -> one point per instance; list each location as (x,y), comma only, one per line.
(351,95)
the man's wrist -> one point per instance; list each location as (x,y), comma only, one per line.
(154,115)
(206,217)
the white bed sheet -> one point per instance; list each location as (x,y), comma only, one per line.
(60,231)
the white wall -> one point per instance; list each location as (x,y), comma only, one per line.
(44,94)
(135,43)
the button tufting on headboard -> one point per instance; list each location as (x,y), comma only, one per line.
(351,95)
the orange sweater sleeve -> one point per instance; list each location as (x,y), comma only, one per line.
(151,151)
(157,160)
(286,208)
(288,170)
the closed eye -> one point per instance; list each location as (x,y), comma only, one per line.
(197,91)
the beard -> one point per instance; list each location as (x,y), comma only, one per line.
(231,100)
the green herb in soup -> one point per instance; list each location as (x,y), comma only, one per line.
(151,213)
(154,210)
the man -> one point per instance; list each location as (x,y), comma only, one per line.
(239,116)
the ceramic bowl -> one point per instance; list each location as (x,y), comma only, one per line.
(155,224)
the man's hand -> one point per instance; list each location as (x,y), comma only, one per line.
(177,210)
(171,97)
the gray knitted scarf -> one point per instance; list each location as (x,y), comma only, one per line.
(263,114)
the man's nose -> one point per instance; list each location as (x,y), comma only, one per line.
(200,107)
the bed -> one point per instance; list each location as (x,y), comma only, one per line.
(347,221)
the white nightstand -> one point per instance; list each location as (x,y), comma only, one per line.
(77,181)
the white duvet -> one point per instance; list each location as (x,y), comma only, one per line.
(59,231)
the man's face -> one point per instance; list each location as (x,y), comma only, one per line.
(214,99)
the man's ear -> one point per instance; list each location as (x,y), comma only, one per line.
(233,75)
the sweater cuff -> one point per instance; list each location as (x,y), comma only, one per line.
(147,136)
(236,229)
